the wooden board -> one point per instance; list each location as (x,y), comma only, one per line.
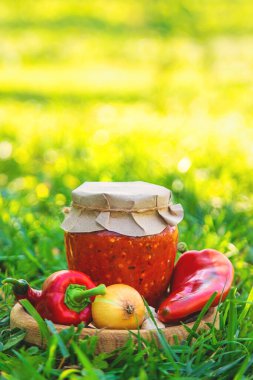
(108,340)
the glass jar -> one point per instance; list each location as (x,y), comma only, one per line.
(124,232)
(145,262)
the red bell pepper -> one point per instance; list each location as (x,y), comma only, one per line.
(197,275)
(65,297)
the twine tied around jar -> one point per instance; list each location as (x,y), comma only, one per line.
(66,210)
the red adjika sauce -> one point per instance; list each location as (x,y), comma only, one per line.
(145,262)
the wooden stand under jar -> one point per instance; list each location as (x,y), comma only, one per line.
(109,340)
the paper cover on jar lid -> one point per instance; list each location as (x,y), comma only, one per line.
(129,208)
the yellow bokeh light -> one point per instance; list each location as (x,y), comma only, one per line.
(60,199)
(42,191)
(21,155)
(5,150)
(29,217)
(184,164)
(70,181)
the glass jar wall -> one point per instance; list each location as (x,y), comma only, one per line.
(145,262)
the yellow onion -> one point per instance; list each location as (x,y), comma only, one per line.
(121,307)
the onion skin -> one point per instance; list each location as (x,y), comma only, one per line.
(121,308)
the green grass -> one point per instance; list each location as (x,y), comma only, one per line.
(127,90)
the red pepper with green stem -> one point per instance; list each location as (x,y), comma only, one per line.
(197,275)
(65,297)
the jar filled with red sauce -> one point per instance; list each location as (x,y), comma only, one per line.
(124,232)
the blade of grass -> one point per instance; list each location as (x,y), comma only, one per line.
(11,258)
(67,372)
(185,378)
(172,356)
(40,321)
(29,370)
(91,374)
(199,352)
(33,259)
(200,317)
(232,321)
(62,346)
(51,355)
(225,368)
(190,331)
(243,368)
(13,339)
(248,305)
(224,315)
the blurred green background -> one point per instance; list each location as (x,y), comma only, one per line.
(159,91)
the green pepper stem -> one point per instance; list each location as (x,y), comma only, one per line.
(77,297)
(182,247)
(19,286)
(10,280)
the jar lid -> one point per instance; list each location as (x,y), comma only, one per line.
(129,208)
